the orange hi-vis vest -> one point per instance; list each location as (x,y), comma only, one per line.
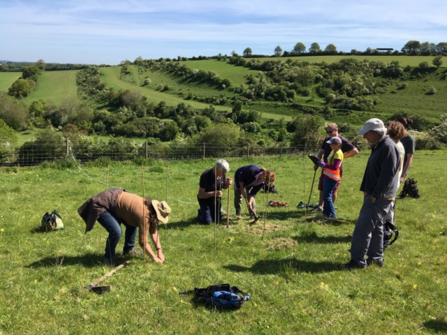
(333,174)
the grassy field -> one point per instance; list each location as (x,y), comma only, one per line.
(287,262)
(235,74)
(7,78)
(55,86)
(413,61)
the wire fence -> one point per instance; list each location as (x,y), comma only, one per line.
(51,152)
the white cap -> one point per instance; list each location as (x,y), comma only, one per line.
(373,125)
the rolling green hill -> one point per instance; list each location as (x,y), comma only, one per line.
(412,61)
(55,86)
(7,78)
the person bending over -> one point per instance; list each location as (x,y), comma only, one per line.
(115,206)
(249,180)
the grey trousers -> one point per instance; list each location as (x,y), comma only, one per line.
(238,201)
(368,232)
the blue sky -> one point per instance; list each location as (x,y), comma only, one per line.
(109,31)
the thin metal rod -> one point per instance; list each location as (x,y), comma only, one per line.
(228,208)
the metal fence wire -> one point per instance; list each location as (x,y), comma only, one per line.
(35,155)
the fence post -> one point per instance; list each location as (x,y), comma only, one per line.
(145,149)
(67,147)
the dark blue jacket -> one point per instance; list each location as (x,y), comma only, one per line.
(247,175)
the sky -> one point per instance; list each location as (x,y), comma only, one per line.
(110,31)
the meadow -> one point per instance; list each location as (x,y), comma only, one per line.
(6,80)
(288,262)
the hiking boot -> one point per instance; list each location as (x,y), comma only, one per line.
(378,262)
(353,265)
(133,252)
(109,261)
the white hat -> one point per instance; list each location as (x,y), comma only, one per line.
(334,139)
(162,209)
(373,125)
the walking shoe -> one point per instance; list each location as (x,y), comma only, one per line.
(317,209)
(109,261)
(133,252)
(353,265)
(378,262)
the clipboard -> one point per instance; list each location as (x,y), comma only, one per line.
(314,159)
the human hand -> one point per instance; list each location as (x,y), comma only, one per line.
(161,256)
(373,200)
(218,194)
(229,181)
(243,193)
(402,179)
(321,164)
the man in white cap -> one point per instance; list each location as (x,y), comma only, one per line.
(211,183)
(379,186)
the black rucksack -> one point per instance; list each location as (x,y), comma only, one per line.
(389,230)
(52,221)
(410,189)
(221,296)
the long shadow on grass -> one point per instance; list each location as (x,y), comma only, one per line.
(88,260)
(278,266)
(439,326)
(314,238)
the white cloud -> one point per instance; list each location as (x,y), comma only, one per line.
(198,27)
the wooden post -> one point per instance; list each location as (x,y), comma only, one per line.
(145,148)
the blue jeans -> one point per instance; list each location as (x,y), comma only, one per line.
(328,187)
(368,232)
(113,227)
(207,213)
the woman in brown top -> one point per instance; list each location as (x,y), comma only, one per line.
(113,207)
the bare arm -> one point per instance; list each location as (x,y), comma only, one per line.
(143,241)
(205,195)
(351,153)
(406,167)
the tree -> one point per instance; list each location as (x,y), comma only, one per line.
(13,112)
(309,131)
(441,47)
(412,47)
(278,51)
(32,72)
(21,88)
(247,52)
(330,49)
(437,61)
(8,141)
(314,48)
(299,48)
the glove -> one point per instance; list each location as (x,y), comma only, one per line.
(321,164)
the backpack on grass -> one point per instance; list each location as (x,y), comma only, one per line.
(220,296)
(410,189)
(390,234)
(52,221)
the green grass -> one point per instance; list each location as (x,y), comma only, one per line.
(111,77)
(55,86)
(235,74)
(7,78)
(287,262)
(413,61)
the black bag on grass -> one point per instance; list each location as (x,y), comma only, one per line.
(410,189)
(390,234)
(52,221)
(220,296)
